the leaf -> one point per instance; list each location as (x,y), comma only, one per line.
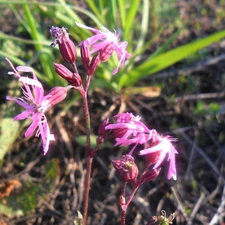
(149,92)
(160,62)
(82,141)
(8,187)
(9,129)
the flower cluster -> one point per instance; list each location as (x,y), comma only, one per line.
(125,128)
(128,129)
(105,43)
(36,103)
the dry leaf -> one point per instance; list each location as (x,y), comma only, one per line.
(8,187)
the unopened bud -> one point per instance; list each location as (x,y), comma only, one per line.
(68,51)
(55,95)
(94,65)
(72,78)
(101,130)
(127,168)
(77,81)
(147,176)
(106,52)
(85,56)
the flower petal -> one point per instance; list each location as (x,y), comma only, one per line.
(27,80)
(22,115)
(24,69)
(33,126)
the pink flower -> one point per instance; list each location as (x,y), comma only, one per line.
(105,42)
(128,130)
(35,104)
(166,150)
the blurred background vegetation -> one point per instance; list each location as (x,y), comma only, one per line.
(175,79)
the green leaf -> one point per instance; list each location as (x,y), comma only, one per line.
(9,129)
(151,66)
(134,5)
(82,141)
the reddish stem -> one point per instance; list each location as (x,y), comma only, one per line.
(122,204)
(125,206)
(88,151)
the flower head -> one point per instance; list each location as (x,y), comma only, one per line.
(127,168)
(166,150)
(105,42)
(36,103)
(128,129)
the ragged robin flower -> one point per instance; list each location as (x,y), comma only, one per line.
(166,151)
(36,104)
(105,43)
(128,129)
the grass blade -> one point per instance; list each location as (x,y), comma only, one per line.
(134,5)
(167,59)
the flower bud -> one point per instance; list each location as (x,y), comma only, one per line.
(147,176)
(106,52)
(94,65)
(68,51)
(72,78)
(127,168)
(85,56)
(55,95)
(101,130)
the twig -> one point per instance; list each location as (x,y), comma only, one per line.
(180,205)
(220,212)
(200,96)
(197,206)
(202,153)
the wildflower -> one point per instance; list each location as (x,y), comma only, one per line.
(66,46)
(128,129)
(126,167)
(105,42)
(165,149)
(36,104)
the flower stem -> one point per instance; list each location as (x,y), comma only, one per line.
(88,152)
(87,189)
(122,203)
(131,195)
(128,200)
(123,217)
